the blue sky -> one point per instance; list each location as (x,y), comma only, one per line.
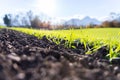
(62,8)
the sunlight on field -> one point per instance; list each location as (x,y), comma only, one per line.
(96,37)
(99,34)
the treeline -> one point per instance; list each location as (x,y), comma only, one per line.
(106,24)
(113,24)
(28,20)
(114,21)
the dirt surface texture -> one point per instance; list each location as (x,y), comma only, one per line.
(25,57)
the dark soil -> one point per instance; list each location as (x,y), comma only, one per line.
(25,57)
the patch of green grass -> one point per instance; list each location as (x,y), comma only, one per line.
(3,27)
(97,37)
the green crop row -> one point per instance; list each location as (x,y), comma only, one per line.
(97,37)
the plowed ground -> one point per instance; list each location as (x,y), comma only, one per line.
(25,57)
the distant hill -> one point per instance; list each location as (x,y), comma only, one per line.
(85,21)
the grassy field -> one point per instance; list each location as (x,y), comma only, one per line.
(97,37)
(103,35)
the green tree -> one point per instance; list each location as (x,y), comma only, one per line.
(7,20)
